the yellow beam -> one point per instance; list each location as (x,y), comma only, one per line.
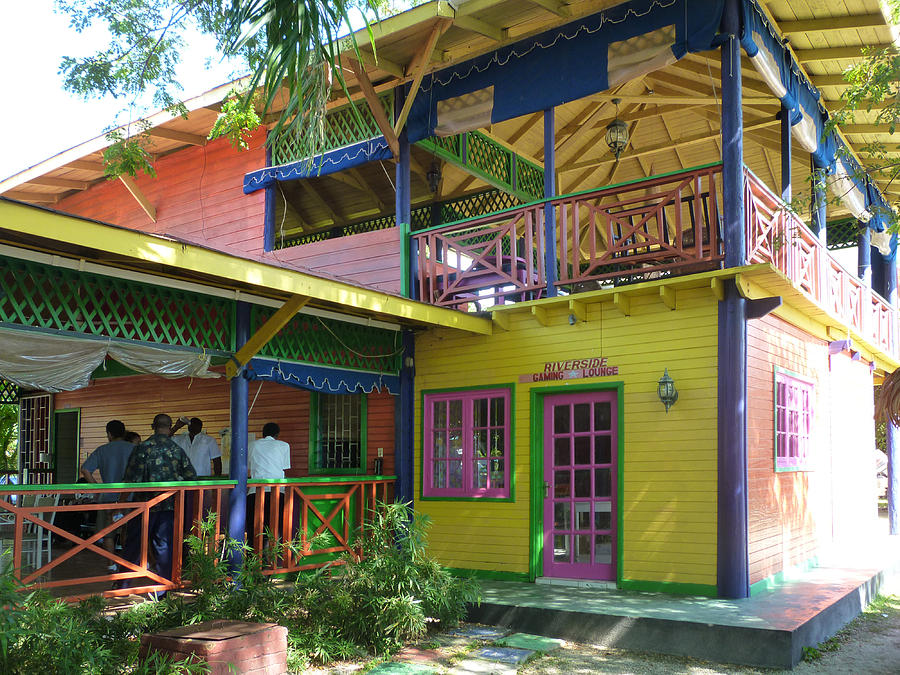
(667,295)
(623,303)
(265,333)
(832,23)
(225,270)
(717,288)
(578,310)
(554,6)
(836,53)
(540,313)
(139,196)
(501,320)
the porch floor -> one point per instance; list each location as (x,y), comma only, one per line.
(768,629)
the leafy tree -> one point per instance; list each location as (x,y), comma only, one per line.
(286,46)
(9,436)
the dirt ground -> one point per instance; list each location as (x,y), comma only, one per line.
(869,645)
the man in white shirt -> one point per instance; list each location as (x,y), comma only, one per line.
(202,450)
(267,458)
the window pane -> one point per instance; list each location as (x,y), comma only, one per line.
(562,452)
(561,487)
(602,416)
(440,414)
(582,515)
(456,448)
(602,449)
(603,486)
(583,548)
(560,419)
(498,443)
(455,414)
(439,479)
(498,412)
(480,412)
(582,450)
(561,515)
(561,545)
(480,479)
(582,417)
(602,515)
(498,474)
(603,549)
(455,477)
(481,443)
(440,444)
(338,431)
(583,483)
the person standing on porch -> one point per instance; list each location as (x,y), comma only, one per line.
(157,459)
(202,449)
(267,458)
(110,460)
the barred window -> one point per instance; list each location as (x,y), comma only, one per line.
(793,421)
(339,433)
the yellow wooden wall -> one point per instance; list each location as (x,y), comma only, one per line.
(669,488)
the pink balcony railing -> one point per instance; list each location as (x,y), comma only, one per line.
(776,235)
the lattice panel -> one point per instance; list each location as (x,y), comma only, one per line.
(343,127)
(530,179)
(61,299)
(480,204)
(9,392)
(489,157)
(312,339)
(843,234)
(382,223)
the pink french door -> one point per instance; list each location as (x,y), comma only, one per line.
(580,447)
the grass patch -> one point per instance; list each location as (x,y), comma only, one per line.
(881,614)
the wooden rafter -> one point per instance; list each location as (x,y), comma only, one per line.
(33,197)
(831,23)
(265,333)
(365,187)
(67,183)
(473,25)
(381,119)
(86,165)
(836,53)
(317,198)
(180,136)
(529,122)
(417,68)
(139,196)
(554,6)
(369,59)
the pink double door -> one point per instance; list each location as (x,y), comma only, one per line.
(580,448)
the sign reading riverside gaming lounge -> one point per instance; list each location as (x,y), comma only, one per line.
(573,369)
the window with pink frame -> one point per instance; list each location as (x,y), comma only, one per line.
(467,444)
(794,398)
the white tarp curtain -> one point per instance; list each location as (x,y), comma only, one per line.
(637,56)
(845,189)
(465,113)
(56,363)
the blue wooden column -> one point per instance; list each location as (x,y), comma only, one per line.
(893,433)
(819,204)
(549,193)
(733,576)
(237,501)
(786,189)
(864,256)
(402,208)
(404,457)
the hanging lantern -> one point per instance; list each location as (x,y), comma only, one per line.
(666,390)
(617,133)
(433,176)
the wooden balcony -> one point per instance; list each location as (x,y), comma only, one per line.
(643,230)
(50,540)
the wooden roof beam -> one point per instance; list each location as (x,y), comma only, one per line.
(853,129)
(473,25)
(417,67)
(553,6)
(86,165)
(381,119)
(139,196)
(67,183)
(266,332)
(321,203)
(380,63)
(180,136)
(836,53)
(832,23)
(34,197)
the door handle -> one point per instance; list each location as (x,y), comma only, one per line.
(546,489)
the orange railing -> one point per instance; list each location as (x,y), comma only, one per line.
(776,235)
(325,512)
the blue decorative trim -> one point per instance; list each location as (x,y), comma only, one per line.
(321,378)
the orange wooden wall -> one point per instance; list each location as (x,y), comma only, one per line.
(793,514)
(135,401)
(198,195)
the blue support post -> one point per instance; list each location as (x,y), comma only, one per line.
(733,574)
(549,193)
(892,437)
(402,208)
(404,458)
(237,501)
(864,256)
(786,189)
(819,205)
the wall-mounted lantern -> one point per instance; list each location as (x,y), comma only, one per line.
(666,390)
(617,133)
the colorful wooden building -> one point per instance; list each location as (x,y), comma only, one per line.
(599,191)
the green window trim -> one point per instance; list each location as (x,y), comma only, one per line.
(314,408)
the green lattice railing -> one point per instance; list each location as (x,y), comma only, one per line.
(9,392)
(59,299)
(460,208)
(842,234)
(478,154)
(343,126)
(327,342)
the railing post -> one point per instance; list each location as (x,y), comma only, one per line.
(549,193)
(237,502)
(732,559)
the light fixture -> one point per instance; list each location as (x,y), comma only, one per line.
(666,390)
(433,176)
(617,133)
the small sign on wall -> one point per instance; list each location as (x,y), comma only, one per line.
(572,369)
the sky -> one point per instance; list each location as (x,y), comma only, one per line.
(38,118)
